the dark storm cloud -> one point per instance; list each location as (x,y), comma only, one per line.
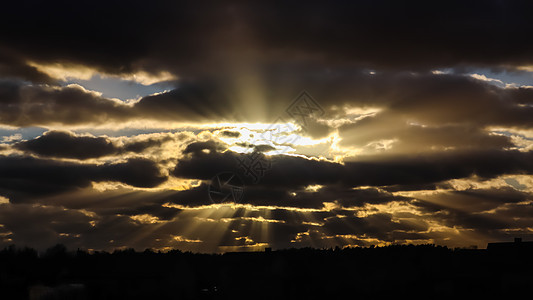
(256,148)
(377,225)
(415,187)
(138,146)
(191,37)
(301,198)
(191,101)
(258,195)
(290,172)
(446,102)
(478,222)
(479,200)
(353,198)
(402,34)
(43,25)
(63,144)
(494,213)
(40,226)
(24,177)
(136,172)
(123,201)
(438,100)
(412,138)
(26,105)
(230,134)
(74,228)
(520,95)
(433,168)
(12,66)
(198,148)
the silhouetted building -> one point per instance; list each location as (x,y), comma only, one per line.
(518,244)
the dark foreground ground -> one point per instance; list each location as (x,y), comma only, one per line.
(427,272)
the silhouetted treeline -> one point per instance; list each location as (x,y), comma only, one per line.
(424,271)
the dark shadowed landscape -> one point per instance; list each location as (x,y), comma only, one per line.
(415,272)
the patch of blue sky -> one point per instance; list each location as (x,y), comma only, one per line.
(499,77)
(13,135)
(112,87)
(519,78)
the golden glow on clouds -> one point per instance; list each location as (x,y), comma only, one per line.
(179,184)
(259,219)
(262,220)
(362,111)
(245,206)
(394,208)
(179,238)
(62,234)
(3,200)
(11,138)
(349,115)
(313,188)
(521,138)
(285,138)
(527,68)
(65,71)
(518,182)
(250,126)
(312,223)
(506,206)
(300,236)
(5,235)
(146,78)
(172,183)
(486,79)
(88,213)
(246,247)
(314,237)
(146,219)
(418,193)
(281,137)
(522,144)
(372,241)
(381,145)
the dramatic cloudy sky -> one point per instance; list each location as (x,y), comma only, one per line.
(117,117)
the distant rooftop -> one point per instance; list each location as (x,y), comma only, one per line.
(517,244)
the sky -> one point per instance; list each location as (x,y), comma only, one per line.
(238,125)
